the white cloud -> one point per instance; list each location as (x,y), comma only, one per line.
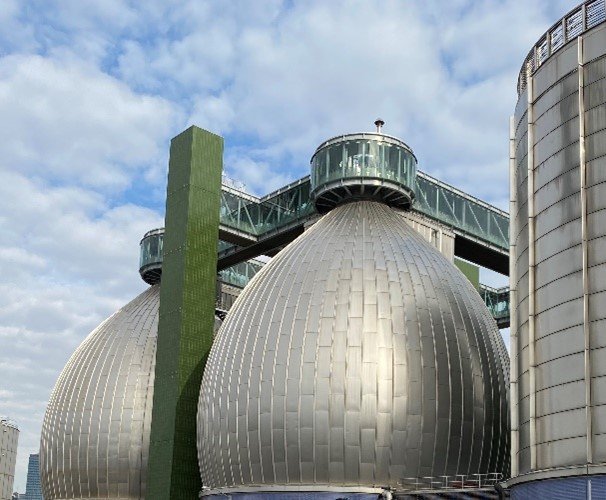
(214,113)
(258,177)
(71,262)
(74,138)
(71,122)
(91,92)
(287,76)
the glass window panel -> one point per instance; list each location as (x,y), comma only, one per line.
(446,201)
(335,161)
(153,246)
(351,159)
(371,159)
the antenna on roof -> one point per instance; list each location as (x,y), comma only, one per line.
(379,123)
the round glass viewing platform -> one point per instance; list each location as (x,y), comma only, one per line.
(363,166)
(150,256)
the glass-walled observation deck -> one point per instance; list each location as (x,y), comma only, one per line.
(363,166)
(150,256)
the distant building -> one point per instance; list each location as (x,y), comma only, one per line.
(33,491)
(9,437)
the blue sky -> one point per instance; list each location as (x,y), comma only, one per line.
(92,92)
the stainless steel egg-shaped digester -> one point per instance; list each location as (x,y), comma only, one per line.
(358,356)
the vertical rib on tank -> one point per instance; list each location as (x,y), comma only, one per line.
(559,194)
(359,356)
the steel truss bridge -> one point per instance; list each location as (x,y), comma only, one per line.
(251,226)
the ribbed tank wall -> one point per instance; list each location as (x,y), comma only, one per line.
(560,351)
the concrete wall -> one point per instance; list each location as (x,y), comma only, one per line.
(9,437)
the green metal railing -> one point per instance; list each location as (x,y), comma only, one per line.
(240,274)
(258,216)
(463,213)
(497,302)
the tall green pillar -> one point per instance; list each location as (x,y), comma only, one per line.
(187,304)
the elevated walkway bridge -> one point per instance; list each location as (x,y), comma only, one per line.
(251,226)
(256,226)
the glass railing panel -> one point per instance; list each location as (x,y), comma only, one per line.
(239,212)
(496,300)
(240,274)
(151,249)
(432,199)
(363,158)
(284,208)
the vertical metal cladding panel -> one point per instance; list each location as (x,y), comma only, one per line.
(595,144)
(521,271)
(358,356)
(95,434)
(560,357)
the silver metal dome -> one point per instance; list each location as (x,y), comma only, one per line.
(358,356)
(96,430)
(95,435)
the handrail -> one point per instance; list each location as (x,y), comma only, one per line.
(579,20)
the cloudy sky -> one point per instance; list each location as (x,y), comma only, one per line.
(91,93)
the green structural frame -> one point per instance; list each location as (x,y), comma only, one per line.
(471,271)
(252,217)
(187,304)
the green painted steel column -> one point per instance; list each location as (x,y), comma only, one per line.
(471,271)
(187,304)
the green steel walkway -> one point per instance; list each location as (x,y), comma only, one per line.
(256,226)
(497,301)
(263,225)
(252,226)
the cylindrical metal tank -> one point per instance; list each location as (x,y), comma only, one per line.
(558,256)
(9,438)
(358,358)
